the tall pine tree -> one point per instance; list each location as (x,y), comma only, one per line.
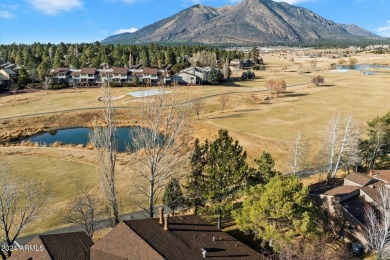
(173,195)
(195,185)
(225,173)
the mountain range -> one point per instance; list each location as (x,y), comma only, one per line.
(260,22)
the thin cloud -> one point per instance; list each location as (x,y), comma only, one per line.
(385,30)
(51,7)
(130,30)
(6,15)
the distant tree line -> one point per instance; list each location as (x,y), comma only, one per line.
(38,58)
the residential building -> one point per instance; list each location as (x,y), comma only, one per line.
(346,199)
(236,63)
(88,76)
(60,75)
(150,76)
(92,76)
(172,238)
(66,246)
(9,74)
(192,75)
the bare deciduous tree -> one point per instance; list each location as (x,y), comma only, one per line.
(85,209)
(377,228)
(198,105)
(160,143)
(22,200)
(104,139)
(14,88)
(341,143)
(276,86)
(223,100)
(298,152)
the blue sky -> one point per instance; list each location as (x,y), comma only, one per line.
(28,21)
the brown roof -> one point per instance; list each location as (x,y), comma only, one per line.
(341,190)
(68,245)
(119,70)
(355,207)
(88,70)
(64,246)
(383,175)
(59,70)
(359,178)
(186,237)
(372,193)
(324,186)
(75,73)
(150,71)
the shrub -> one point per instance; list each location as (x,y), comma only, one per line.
(59,86)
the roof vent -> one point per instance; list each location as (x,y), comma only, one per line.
(204,252)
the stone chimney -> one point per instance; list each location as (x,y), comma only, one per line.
(166,222)
(161,211)
(371,173)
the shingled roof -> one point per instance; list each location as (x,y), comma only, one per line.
(66,246)
(359,178)
(88,70)
(152,71)
(186,237)
(383,175)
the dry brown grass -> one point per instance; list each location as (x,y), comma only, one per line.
(256,125)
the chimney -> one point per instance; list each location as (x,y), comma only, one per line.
(161,211)
(371,173)
(166,222)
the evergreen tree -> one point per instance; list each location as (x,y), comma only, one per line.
(279,211)
(173,195)
(225,173)
(375,150)
(264,171)
(23,77)
(215,77)
(195,186)
(254,54)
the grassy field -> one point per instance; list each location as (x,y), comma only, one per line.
(59,169)
(258,126)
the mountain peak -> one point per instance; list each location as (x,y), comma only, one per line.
(260,22)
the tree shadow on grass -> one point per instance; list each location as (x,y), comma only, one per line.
(292,94)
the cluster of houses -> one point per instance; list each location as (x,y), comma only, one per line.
(173,238)
(149,76)
(345,200)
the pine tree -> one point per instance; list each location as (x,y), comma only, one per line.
(225,173)
(195,186)
(173,195)
(264,171)
(279,211)
(23,77)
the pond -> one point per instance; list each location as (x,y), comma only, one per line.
(364,67)
(76,136)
